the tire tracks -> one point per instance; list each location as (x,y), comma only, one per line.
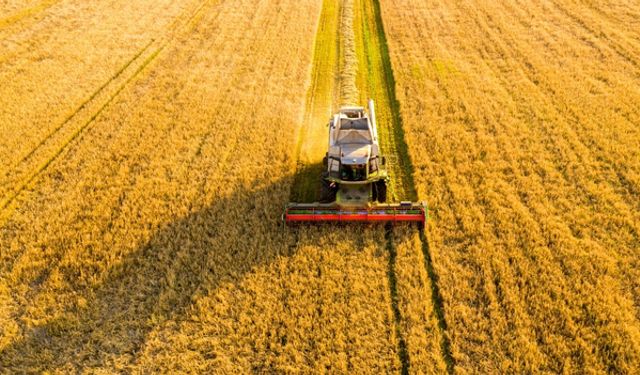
(374,79)
(376,74)
(32,165)
(403,352)
(9,198)
(83,105)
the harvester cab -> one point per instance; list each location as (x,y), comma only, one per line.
(354,169)
(354,180)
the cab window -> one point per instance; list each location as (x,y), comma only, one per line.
(353,172)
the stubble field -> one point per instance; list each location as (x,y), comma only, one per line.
(147,150)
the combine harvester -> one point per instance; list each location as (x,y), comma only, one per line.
(354,182)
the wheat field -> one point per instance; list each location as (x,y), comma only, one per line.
(147,149)
(522,124)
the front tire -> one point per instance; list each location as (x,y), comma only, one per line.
(328,192)
(380,191)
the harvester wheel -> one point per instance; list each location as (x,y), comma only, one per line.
(328,192)
(380,191)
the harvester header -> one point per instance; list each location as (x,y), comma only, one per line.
(376,212)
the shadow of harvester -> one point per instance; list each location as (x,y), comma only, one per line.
(157,283)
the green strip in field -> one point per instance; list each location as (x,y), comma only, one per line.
(375,81)
(321,99)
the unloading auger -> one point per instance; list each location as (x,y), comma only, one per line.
(354,181)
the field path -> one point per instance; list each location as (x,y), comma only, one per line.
(351,65)
(413,307)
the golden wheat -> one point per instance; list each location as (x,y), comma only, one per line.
(524,137)
(170,193)
(148,148)
(56,72)
(151,241)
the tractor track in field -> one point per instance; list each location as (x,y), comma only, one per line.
(374,80)
(25,182)
(403,352)
(82,106)
(33,164)
(377,81)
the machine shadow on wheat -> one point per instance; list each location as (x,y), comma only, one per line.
(354,178)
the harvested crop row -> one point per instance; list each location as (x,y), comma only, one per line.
(335,286)
(419,321)
(515,134)
(348,58)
